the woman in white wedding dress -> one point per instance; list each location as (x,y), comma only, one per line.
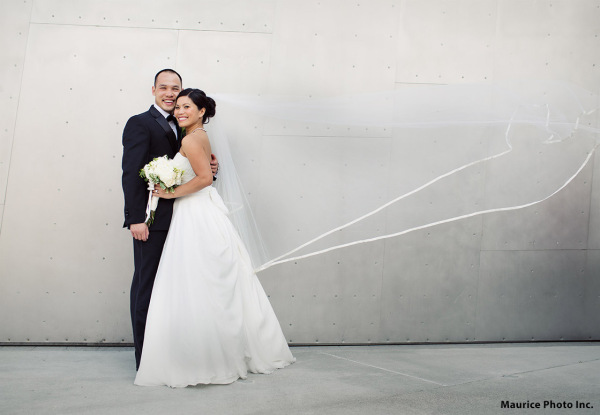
(209,319)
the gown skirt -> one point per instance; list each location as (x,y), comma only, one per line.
(209,320)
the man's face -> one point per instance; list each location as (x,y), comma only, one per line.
(165,90)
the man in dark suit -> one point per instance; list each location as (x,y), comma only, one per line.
(151,134)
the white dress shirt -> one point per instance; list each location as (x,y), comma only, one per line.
(166,114)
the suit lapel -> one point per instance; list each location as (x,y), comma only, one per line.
(179,137)
(166,127)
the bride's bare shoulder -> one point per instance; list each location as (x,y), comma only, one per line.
(196,139)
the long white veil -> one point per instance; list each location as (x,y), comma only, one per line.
(530,139)
(232,191)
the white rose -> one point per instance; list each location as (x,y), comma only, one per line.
(169,181)
(165,173)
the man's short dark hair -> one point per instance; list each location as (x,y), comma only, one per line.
(167,70)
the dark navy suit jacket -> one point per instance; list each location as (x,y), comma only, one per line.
(146,136)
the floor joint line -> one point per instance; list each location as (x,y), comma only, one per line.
(384,369)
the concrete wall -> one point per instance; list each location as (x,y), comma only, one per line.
(73,72)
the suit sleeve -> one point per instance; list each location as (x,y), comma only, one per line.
(136,152)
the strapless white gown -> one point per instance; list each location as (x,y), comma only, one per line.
(209,319)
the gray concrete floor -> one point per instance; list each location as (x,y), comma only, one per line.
(411,379)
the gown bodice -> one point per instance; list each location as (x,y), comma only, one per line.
(182,163)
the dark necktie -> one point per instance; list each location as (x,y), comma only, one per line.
(171,118)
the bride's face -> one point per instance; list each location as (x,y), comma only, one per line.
(187,113)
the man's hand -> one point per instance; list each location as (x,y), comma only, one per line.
(139,231)
(214,164)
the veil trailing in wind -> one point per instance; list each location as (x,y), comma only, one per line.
(354,169)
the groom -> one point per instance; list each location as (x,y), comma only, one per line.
(151,134)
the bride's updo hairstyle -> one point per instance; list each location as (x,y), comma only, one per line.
(199,98)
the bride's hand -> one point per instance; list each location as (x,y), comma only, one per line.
(158,191)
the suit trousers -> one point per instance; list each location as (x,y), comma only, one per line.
(146,257)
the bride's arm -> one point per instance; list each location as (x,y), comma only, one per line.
(197,150)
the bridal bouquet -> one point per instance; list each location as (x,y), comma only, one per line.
(162,172)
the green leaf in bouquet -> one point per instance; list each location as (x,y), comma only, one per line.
(150,220)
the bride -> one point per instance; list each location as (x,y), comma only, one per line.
(209,319)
